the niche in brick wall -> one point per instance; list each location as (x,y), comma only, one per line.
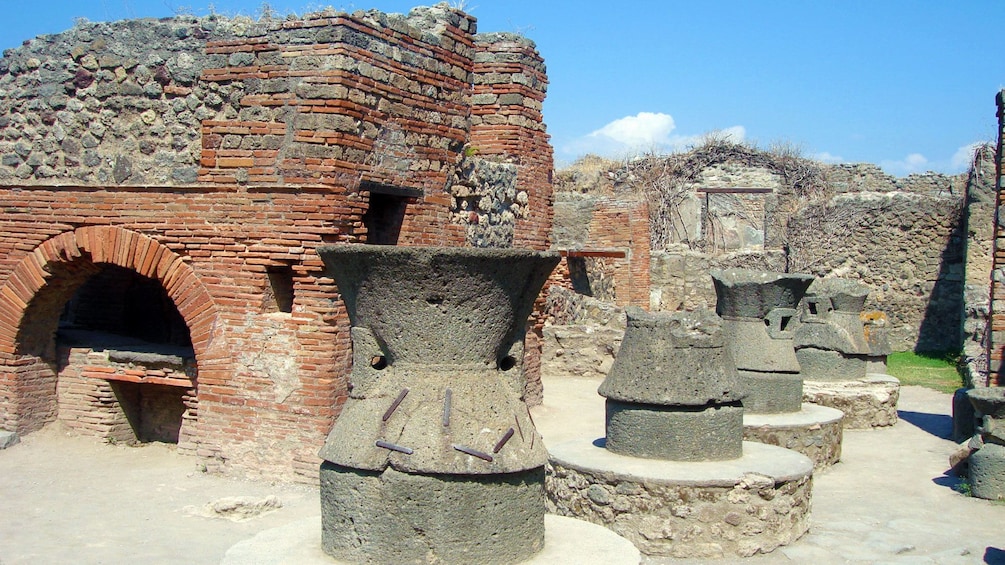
(386,211)
(126,363)
(279,295)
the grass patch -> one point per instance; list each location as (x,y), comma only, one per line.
(934,371)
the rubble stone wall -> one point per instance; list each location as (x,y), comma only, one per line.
(996,341)
(919,242)
(909,249)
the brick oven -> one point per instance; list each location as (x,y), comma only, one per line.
(164,185)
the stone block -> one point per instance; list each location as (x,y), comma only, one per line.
(676,433)
(439,518)
(8,439)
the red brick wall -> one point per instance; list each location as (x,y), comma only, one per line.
(510,83)
(277,179)
(620,225)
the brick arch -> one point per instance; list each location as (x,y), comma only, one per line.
(65,260)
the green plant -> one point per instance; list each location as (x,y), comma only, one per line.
(963,487)
(937,371)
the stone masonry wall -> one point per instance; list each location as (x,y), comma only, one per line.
(607,240)
(922,252)
(209,155)
(996,343)
(908,248)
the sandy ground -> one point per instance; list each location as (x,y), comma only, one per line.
(75,500)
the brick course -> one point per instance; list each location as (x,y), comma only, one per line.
(307,115)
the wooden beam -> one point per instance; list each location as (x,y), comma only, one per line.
(610,253)
(390,189)
(736,190)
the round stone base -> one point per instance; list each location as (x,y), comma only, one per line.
(566,540)
(815,431)
(678,433)
(771,393)
(395,517)
(709,509)
(867,403)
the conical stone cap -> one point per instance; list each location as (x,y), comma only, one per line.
(677,359)
(439,305)
(845,295)
(745,293)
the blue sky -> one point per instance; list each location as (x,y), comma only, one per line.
(907,85)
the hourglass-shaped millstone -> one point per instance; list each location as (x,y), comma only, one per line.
(757,309)
(830,338)
(673,392)
(986,467)
(434,455)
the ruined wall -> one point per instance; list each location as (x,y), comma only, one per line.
(509,86)
(980,237)
(908,248)
(996,343)
(907,238)
(607,245)
(214,156)
(681,280)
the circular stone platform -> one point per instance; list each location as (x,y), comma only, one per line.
(565,541)
(815,431)
(706,509)
(869,402)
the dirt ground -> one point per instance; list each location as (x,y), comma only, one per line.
(74,500)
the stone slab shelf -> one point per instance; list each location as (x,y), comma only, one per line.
(815,431)
(709,509)
(141,377)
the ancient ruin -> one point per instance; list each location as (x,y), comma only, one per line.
(673,474)
(164,186)
(760,315)
(836,354)
(830,339)
(758,310)
(673,392)
(435,453)
(986,464)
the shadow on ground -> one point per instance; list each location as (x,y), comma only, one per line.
(939,425)
(994,556)
(949,480)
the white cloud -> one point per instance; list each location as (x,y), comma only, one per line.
(825,157)
(642,129)
(962,159)
(645,131)
(913,163)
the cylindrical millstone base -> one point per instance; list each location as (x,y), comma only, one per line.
(395,517)
(772,393)
(987,472)
(867,403)
(825,365)
(675,433)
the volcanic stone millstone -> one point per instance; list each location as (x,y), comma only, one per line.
(709,433)
(677,359)
(394,517)
(434,456)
